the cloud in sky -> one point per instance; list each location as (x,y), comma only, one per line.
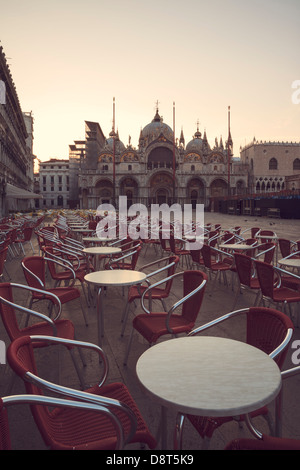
(70,58)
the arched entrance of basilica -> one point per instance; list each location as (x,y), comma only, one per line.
(195,192)
(161,189)
(104,192)
(218,188)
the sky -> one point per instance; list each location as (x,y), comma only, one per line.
(70,58)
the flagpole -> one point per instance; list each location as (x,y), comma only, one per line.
(114,155)
(228,151)
(174,162)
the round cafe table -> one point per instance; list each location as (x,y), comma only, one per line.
(101,250)
(207,376)
(293,263)
(237,246)
(109,278)
(97,239)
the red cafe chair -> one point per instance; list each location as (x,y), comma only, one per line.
(158,293)
(69,429)
(154,325)
(34,268)
(264,441)
(267,329)
(44,326)
(273,292)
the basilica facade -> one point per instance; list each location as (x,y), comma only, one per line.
(162,169)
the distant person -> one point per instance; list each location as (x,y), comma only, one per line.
(2,92)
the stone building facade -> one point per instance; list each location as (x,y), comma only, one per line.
(273,166)
(54,181)
(161,169)
(16,156)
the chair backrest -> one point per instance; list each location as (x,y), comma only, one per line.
(135,257)
(284,246)
(268,250)
(173,261)
(163,241)
(3,255)
(265,275)
(244,267)
(206,253)
(266,330)
(27,233)
(7,312)
(213,237)
(5,442)
(34,270)
(254,231)
(172,242)
(191,281)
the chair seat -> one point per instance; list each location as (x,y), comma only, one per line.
(73,429)
(65,294)
(290,282)
(207,425)
(135,292)
(219,266)
(285,294)
(254,284)
(153,325)
(65,329)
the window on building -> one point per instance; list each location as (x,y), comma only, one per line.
(129,167)
(273,164)
(44,179)
(193,168)
(296,164)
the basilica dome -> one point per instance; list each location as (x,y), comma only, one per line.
(119,146)
(155,128)
(196,144)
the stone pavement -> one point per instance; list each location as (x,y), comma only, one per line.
(55,365)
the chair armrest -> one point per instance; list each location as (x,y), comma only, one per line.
(292,254)
(28,311)
(283,344)
(158,283)
(122,258)
(264,252)
(78,344)
(181,301)
(216,321)
(64,266)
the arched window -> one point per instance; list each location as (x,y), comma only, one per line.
(273,164)
(296,164)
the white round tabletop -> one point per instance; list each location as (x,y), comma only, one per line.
(208,376)
(115,277)
(97,239)
(290,262)
(102,250)
(236,246)
(83,230)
